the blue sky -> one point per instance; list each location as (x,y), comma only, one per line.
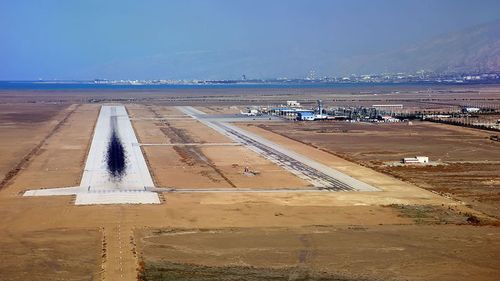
(214,39)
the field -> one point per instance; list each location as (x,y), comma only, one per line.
(401,232)
(466,165)
(23,128)
(49,254)
(320,253)
(200,166)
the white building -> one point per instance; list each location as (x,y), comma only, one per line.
(416,159)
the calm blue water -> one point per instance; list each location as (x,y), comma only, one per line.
(31,85)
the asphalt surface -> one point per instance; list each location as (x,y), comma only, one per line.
(115,171)
(99,168)
(321,176)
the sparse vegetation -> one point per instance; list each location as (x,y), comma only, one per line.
(431,214)
(168,271)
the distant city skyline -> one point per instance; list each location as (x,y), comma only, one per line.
(217,39)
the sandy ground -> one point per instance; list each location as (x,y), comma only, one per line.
(433,97)
(221,109)
(54,165)
(468,160)
(393,191)
(23,127)
(50,254)
(203,166)
(381,252)
(110,236)
(60,163)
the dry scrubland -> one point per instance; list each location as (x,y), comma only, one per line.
(468,163)
(322,253)
(199,166)
(50,254)
(23,127)
(401,233)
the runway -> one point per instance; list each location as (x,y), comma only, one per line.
(126,179)
(95,175)
(321,176)
(113,174)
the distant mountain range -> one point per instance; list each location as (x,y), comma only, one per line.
(473,49)
(470,50)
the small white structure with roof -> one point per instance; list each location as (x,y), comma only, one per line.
(416,160)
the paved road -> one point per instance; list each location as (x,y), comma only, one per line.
(321,176)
